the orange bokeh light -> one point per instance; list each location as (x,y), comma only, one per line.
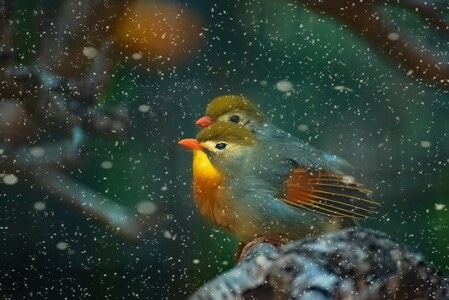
(166,32)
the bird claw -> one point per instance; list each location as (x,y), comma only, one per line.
(244,250)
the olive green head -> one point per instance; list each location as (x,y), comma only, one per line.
(235,109)
(227,132)
(228,145)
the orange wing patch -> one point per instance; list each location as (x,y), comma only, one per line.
(328,194)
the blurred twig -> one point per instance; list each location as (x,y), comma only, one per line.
(57,95)
(365,18)
(6,32)
(40,164)
(80,24)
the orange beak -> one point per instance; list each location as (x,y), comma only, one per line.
(204,121)
(190,144)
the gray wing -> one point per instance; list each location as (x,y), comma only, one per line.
(293,149)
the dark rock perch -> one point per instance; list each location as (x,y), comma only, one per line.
(355,263)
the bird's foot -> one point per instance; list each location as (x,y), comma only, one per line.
(244,249)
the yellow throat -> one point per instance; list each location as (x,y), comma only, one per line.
(206,180)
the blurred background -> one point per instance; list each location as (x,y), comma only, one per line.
(333,79)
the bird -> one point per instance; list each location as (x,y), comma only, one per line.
(236,109)
(260,188)
(240,110)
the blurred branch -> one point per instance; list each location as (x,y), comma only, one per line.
(39,165)
(80,24)
(55,98)
(116,217)
(97,76)
(365,18)
(60,105)
(6,31)
(351,264)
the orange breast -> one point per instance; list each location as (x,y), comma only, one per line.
(206,181)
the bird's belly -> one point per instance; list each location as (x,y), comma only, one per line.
(213,205)
(276,222)
(206,183)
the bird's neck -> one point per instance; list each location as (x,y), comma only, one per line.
(206,181)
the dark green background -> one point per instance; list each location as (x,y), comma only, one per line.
(378,125)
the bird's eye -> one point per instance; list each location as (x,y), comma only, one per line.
(220,146)
(235,118)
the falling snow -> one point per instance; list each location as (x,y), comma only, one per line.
(9,179)
(137,232)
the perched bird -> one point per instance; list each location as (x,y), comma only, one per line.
(257,187)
